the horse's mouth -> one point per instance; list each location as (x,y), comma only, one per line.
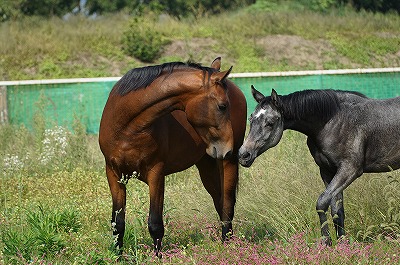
(245,159)
(246,163)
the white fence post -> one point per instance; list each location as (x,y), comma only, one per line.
(3,105)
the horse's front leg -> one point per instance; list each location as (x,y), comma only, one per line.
(118,193)
(337,212)
(156,183)
(337,208)
(229,171)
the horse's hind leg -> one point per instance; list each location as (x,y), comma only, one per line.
(344,176)
(337,211)
(337,208)
(118,193)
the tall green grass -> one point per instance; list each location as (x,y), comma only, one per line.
(58,214)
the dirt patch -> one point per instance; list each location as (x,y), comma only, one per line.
(307,54)
(279,49)
(201,50)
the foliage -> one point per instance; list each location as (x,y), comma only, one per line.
(389,228)
(181,8)
(320,5)
(143,41)
(176,8)
(375,5)
(46,8)
(43,235)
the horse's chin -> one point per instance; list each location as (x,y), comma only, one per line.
(218,153)
(246,162)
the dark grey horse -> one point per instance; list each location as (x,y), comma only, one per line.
(348,134)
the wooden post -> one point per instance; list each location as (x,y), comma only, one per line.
(3,105)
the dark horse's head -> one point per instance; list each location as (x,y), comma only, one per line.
(266,127)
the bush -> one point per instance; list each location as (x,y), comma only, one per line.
(142,41)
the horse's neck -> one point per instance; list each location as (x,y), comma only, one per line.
(161,98)
(309,125)
(309,128)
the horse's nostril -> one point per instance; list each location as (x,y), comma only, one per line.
(245,155)
(228,155)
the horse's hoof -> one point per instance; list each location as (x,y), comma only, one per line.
(157,248)
(327,241)
(158,254)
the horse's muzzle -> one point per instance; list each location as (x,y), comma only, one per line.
(245,157)
(216,153)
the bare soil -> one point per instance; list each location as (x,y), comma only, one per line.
(295,50)
(290,50)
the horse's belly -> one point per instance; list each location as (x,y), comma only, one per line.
(381,166)
(382,161)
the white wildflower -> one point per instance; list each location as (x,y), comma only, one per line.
(54,144)
(13,163)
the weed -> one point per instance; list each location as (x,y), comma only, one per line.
(43,235)
(389,227)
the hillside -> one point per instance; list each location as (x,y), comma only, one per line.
(249,39)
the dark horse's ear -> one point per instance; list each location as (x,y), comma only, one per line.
(216,64)
(276,100)
(258,96)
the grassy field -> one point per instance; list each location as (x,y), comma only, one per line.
(251,39)
(55,209)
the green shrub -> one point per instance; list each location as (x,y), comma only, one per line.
(43,236)
(142,41)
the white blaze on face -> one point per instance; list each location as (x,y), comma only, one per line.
(261,112)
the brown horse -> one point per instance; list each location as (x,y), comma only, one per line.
(163,119)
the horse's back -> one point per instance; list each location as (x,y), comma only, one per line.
(372,127)
(382,130)
(374,113)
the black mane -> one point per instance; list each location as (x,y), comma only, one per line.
(317,103)
(142,77)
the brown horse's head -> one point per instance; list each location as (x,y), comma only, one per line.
(209,113)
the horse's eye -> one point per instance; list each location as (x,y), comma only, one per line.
(222,107)
(270,124)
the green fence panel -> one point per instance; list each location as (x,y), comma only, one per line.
(63,103)
(374,85)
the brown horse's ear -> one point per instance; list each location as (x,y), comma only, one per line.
(227,73)
(219,77)
(258,96)
(216,64)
